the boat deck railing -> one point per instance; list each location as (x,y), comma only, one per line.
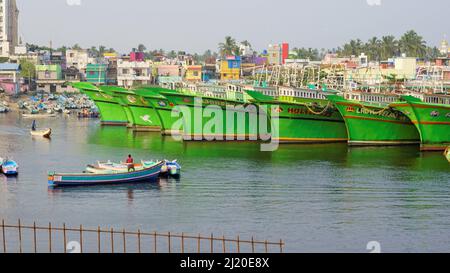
(20,238)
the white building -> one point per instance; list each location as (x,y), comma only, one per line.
(133,73)
(79,58)
(9,27)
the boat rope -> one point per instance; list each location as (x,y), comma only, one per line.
(329,105)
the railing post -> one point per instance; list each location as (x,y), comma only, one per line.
(20,237)
(170,247)
(198,244)
(81,238)
(112,240)
(124,242)
(154,242)
(223,242)
(34,237)
(139,240)
(238,245)
(182,243)
(64,237)
(281,246)
(212,243)
(98,240)
(50,237)
(253,245)
(265,245)
(4,237)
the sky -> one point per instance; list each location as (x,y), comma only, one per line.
(198,25)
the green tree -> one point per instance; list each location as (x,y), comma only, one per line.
(373,49)
(413,44)
(28,69)
(229,47)
(141,48)
(389,47)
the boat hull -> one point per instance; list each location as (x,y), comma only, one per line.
(431,120)
(42,133)
(297,122)
(207,118)
(372,125)
(111,112)
(85,179)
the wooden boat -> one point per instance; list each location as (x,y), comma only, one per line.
(9,167)
(89,179)
(42,133)
(38,115)
(173,168)
(447,153)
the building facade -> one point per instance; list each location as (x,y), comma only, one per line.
(78,58)
(96,73)
(9,27)
(133,73)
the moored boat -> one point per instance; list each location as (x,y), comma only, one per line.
(375,123)
(447,153)
(90,179)
(9,167)
(42,133)
(173,168)
(432,120)
(111,112)
(39,115)
(306,118)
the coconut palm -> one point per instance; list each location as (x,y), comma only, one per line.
(413,44)
(389,47)
(372,47)
(229,47)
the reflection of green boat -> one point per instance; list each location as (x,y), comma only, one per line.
(141,114)
(431,120)
(112,113)
(369,124)
(215,118)
(302,120)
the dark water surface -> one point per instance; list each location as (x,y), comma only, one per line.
(315,197)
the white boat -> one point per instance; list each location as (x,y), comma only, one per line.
(42,133)
(38,115)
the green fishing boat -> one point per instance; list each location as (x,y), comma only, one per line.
(372,124)
(431,120)
(162,106)
(215,118)
(302,120)
(141,114)
(111,111)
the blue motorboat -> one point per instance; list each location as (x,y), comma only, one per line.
(9,167)
(173,168)
(88,179)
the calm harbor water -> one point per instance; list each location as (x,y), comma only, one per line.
(317,198)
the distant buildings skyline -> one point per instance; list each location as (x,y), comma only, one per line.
(9,27)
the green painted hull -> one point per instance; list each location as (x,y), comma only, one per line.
(112,113)
(162,107)
(207,118)
(374,125)
(298,122)
(140,113)
(431,120)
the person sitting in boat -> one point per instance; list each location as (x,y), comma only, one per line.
(130,163)
(33,126)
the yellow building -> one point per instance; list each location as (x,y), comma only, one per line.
(193,73)
(227,73)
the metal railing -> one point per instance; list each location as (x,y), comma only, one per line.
(20,238)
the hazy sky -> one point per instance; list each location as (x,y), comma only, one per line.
(197,25)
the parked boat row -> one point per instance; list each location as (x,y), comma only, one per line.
(286,115)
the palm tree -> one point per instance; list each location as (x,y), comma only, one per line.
(229,47)
(389,47)
(373,49)
(413,44)
(246,43)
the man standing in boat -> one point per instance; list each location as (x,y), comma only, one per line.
(130,163)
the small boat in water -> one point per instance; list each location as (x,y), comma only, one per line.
(90,179)
(9,167)
(42,133)
(38,115)
(447,153)
(173,168)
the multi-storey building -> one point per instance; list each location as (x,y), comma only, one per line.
(9,27)
(133,73)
